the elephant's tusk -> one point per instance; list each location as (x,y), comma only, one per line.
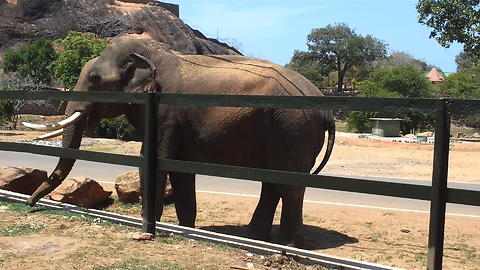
(49,135)
(58,125)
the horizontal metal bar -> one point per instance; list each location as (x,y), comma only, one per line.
(286,102)
(73,154)
(303,102)
(341,183)
(463,196)
(466,107)
(113,97)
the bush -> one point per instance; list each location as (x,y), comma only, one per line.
(117,128)
(78,49)
(396,82)
(32,60)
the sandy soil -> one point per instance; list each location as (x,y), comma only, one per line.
(382,236)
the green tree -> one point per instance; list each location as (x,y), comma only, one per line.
(78,49)
(396,82)
(465,83)
(117,128)
(32,60)
(338,48)
(305,64)
(7,106)
(452,21)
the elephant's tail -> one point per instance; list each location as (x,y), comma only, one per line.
(331,141)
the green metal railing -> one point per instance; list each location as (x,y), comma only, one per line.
(438,193)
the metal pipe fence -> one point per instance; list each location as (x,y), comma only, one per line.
(438,193)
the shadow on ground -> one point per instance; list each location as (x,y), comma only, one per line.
(316,238)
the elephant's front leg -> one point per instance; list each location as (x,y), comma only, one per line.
(159,192)
(183,186)
(291,223)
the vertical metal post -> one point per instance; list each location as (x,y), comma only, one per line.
(150,164)
(439,185)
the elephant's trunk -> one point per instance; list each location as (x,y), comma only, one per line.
(72,137)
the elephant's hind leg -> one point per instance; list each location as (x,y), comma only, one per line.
(261,223)
(183,186)
(291,223)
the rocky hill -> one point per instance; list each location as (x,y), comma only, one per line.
(24,21)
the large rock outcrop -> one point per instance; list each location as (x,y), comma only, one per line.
(24,21)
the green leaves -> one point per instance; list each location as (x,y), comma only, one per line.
(78,49)
(397,82)
(452,21)
(336,48)
(32,60)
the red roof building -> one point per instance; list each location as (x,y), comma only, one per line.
(434,75)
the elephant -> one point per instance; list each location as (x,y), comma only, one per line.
(277,139)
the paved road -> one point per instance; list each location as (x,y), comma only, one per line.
(108,173)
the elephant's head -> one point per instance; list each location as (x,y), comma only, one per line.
(124,66)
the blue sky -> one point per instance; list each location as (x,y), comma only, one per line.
(272,30)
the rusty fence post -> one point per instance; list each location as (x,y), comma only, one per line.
(150,164)
(439,185)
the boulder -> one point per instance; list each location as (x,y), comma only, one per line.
(127,187)
(80,191)
(21,180)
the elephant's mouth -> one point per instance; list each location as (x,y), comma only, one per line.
(57,127)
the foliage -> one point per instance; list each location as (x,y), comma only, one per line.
(464,84)
(7,107)
(337,48)
(78,49)
(118,128)
(305,64)
(32,60)
(399,58)
(464,60)
(452,21)
(396,82)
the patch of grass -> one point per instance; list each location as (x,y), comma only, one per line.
(467,251)
(139,264)
(20,229)
(376,237)
(309,218)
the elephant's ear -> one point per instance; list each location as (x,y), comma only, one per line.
(140,75)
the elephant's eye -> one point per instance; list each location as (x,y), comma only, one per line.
(127,63)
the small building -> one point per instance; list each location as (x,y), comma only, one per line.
(434,75)
(386,127)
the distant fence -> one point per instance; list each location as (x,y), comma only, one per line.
(438,193)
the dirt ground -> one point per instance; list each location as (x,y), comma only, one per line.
(388,237)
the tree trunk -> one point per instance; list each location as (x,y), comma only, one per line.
(341,76)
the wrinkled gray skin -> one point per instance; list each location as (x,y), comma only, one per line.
(279,139)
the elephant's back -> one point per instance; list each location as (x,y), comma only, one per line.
(235,74)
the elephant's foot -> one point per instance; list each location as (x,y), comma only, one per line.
(290,238)
(257,233)
(187,224)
